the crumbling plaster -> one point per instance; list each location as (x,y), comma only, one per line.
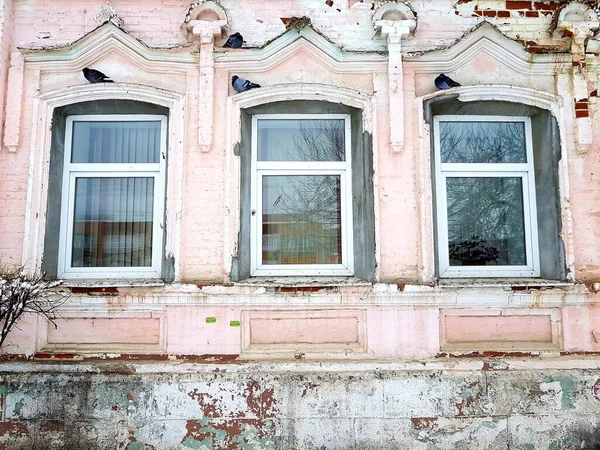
(498,51)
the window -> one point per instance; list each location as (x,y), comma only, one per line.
(301,189)
(112,202)
(306,192)
(486,196)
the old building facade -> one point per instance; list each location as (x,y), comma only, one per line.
(349,256)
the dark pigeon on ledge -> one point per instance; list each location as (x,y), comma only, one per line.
(445,82)
(242,85)
(235,41)
(95,76)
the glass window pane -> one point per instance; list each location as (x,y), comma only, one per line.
(116,142)
(301,140)
(482,142)
(113,222)
(301,220)
(485,221)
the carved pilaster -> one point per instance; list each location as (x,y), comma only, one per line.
(206,32)
(580,22)
(14,101)
(395,31)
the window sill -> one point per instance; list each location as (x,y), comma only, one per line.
(516,284)
(302,282)
(105,283)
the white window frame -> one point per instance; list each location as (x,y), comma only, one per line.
(259,169)
(443,171)
(73,171)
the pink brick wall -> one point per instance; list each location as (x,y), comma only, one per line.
(399,321)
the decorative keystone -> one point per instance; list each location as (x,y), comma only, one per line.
(578,20)
(206,19)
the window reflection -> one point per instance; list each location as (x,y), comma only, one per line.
(482,142)
(485,221)
(301,140)
(301,220)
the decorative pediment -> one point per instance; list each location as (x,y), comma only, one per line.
(104,40)
(292,41)
(487,40)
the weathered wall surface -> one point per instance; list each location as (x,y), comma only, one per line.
(500,50)
(434,405)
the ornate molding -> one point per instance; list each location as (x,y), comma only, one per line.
(100,42)
(205,22)
(395,22)
(292,41)
(37,189)
(487,39)
(108,12)
(270,94)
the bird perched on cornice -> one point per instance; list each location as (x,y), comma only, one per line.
(235,41)
(95,76)
(445,82)
(242,85)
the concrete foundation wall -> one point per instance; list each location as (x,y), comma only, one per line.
(492,404)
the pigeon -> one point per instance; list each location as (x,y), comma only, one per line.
(95,76)
(235,41)
(445,82)
(242,85)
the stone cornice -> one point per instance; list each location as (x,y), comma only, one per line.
(101,41)
(488,39)
(285,46)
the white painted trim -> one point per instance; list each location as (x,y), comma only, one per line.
(514,170)
(100,42)
(514,94)
(287,45)
(286,92)
(273,168)
(487,39)
(41,137)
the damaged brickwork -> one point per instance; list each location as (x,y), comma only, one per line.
(287,406)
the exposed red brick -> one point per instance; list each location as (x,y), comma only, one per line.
(96,291)
(581,113)
(567,33)
(288,289)
(518,5)
(594,93)
(14,428)
(531,14)
(548,6)
(424,423)
(460,2)
(503,14)
(489,13)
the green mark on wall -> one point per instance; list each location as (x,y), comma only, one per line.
(234,323)
(18,407)
(568,386)
(211,320)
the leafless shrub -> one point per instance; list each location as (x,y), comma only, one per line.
(21,293)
